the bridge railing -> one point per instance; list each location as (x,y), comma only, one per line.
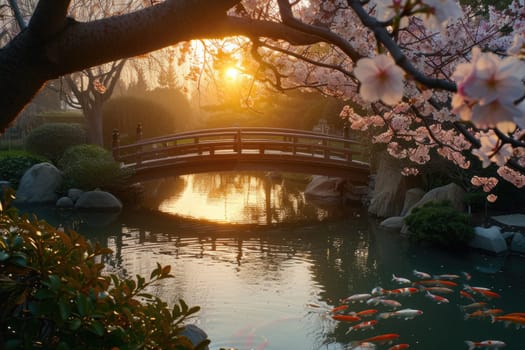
(236,141)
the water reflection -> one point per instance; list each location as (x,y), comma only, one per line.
(240,198)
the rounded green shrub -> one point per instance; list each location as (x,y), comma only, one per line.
(13,165)
(52,139)
(441,224)
(89,166)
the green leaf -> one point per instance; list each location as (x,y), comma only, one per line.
(64,308)
(184,306)
(44,293)
(4,255)
(97,328)
(82,306)
(74,324)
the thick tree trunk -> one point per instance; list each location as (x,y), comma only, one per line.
(53,45)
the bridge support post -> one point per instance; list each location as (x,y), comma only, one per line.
(115,144)
(138,137)
(237,141)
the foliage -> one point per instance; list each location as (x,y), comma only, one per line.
(52,139)
(53,295)
(13,165)
(441,224)
(90,166)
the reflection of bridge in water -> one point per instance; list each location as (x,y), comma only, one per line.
(250,148)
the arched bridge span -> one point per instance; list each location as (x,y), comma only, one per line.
(247,148)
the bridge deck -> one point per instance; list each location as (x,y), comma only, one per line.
(230,149)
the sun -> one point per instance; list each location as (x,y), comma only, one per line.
(232,73)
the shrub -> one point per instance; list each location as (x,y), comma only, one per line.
(89,166)
(13,165)
(441,224)
(52,139)
(53,295)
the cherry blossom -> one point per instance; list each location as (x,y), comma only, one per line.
(441,12)
(381,79)
(492,150)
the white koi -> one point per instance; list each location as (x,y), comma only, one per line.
(401,280)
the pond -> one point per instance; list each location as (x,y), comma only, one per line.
(268,270)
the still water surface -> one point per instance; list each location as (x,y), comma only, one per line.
(266,270)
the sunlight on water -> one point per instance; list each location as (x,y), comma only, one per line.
(238,198)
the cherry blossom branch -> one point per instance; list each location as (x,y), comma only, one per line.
(383,36)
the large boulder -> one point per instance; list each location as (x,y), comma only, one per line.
(517,244)
(98,201)
(412,196)
(451,192)
(39,184)
(489,239)
(324,186)
(389,190)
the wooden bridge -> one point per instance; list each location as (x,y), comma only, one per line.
(234,149)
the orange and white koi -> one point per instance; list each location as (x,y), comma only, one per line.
(381,339)
(399,347)
(362,326)
(467,275)
(486,292)
(378,291)
(422,275)
(437,298)
(483,313)
(401,280)
(487,344)
(406,314)
(364,313)
(473,306)
(357,298)
(375,300)
(346,318)
(403,291)
(517,321)
(339,308)
(438,283)
(518,314)
(363,346)
(392,303)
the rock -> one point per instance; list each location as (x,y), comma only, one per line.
(393,222)
(412,196)
(98,200)
(324,186)
(389,190)
(517,245)
(65,202)
(74,194)
(489,239)
(450,192)
(194,334)
(39,184)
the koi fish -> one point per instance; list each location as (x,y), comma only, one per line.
(518,314)
(486,292)
(443,290)
(406,314)
(438,283)
(403,291)
(466,295)
(437,298)
(466,275)
(483,313)
(487,344)
(375,300)
(446,277)
(400,280)
(364,346)
(339,308)
(392,303)
(346,318)
(362,326)
(381,339)
(422,275)
(507,320)
(399,347)
(479,305)
(364,313)
(378,291)
(357,297)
